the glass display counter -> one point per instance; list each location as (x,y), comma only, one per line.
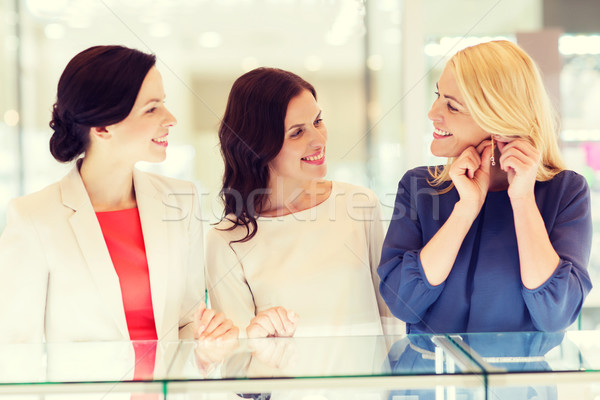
(467,366)
(528,365)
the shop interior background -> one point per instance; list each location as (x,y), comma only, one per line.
(373,63)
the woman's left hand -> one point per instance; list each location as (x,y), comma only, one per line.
(520,160)
(211,325)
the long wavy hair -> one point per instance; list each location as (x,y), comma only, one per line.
(251,135)
(505,94)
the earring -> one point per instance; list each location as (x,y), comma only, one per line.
(492,159)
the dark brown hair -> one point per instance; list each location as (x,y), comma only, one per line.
(97,88)
(251,135)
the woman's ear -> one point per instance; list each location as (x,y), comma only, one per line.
(100,132)
(501,145)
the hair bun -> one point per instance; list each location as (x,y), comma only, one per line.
(65,143)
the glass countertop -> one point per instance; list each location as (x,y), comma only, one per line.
(479,362)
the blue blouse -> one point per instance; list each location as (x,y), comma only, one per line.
(484,292)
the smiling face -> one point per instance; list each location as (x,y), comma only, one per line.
(142,135)
(454,128)
(302,156)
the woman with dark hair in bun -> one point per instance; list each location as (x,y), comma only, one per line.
(108,252)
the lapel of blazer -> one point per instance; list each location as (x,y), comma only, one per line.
(151,206)
(93,246)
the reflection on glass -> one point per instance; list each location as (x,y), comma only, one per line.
(428,355)
(501,353)
(518,365)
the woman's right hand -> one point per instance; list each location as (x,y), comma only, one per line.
(210,325)
(470,173)
(273,322)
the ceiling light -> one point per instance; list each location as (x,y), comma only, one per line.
(11,117)
(160,30)
(46,8)
(345,23)
(579,44)
(313,63)
(375,62)
(210,39)
(54,31)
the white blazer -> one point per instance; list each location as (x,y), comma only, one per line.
(57,279)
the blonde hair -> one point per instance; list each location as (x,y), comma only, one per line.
(504,93)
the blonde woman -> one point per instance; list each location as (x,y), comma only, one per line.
(499,238)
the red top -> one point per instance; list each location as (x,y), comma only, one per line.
(122,232)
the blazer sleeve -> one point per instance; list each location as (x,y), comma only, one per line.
(195,287)
(555,304)
(404,286)
(228,290)
(23,279)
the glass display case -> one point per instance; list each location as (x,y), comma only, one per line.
(527,365)
(523,365)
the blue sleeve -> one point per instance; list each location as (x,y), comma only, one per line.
(403,285)
(555,304)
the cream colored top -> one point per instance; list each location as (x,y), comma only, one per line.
(320,263)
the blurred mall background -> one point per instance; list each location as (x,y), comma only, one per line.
(374,64)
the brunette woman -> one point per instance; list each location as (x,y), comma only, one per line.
(295,253)
(109,252)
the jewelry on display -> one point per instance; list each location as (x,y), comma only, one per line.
(492,159)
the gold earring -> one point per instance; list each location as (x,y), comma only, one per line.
(492,159)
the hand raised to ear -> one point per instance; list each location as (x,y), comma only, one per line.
(470,173)
(520,160)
